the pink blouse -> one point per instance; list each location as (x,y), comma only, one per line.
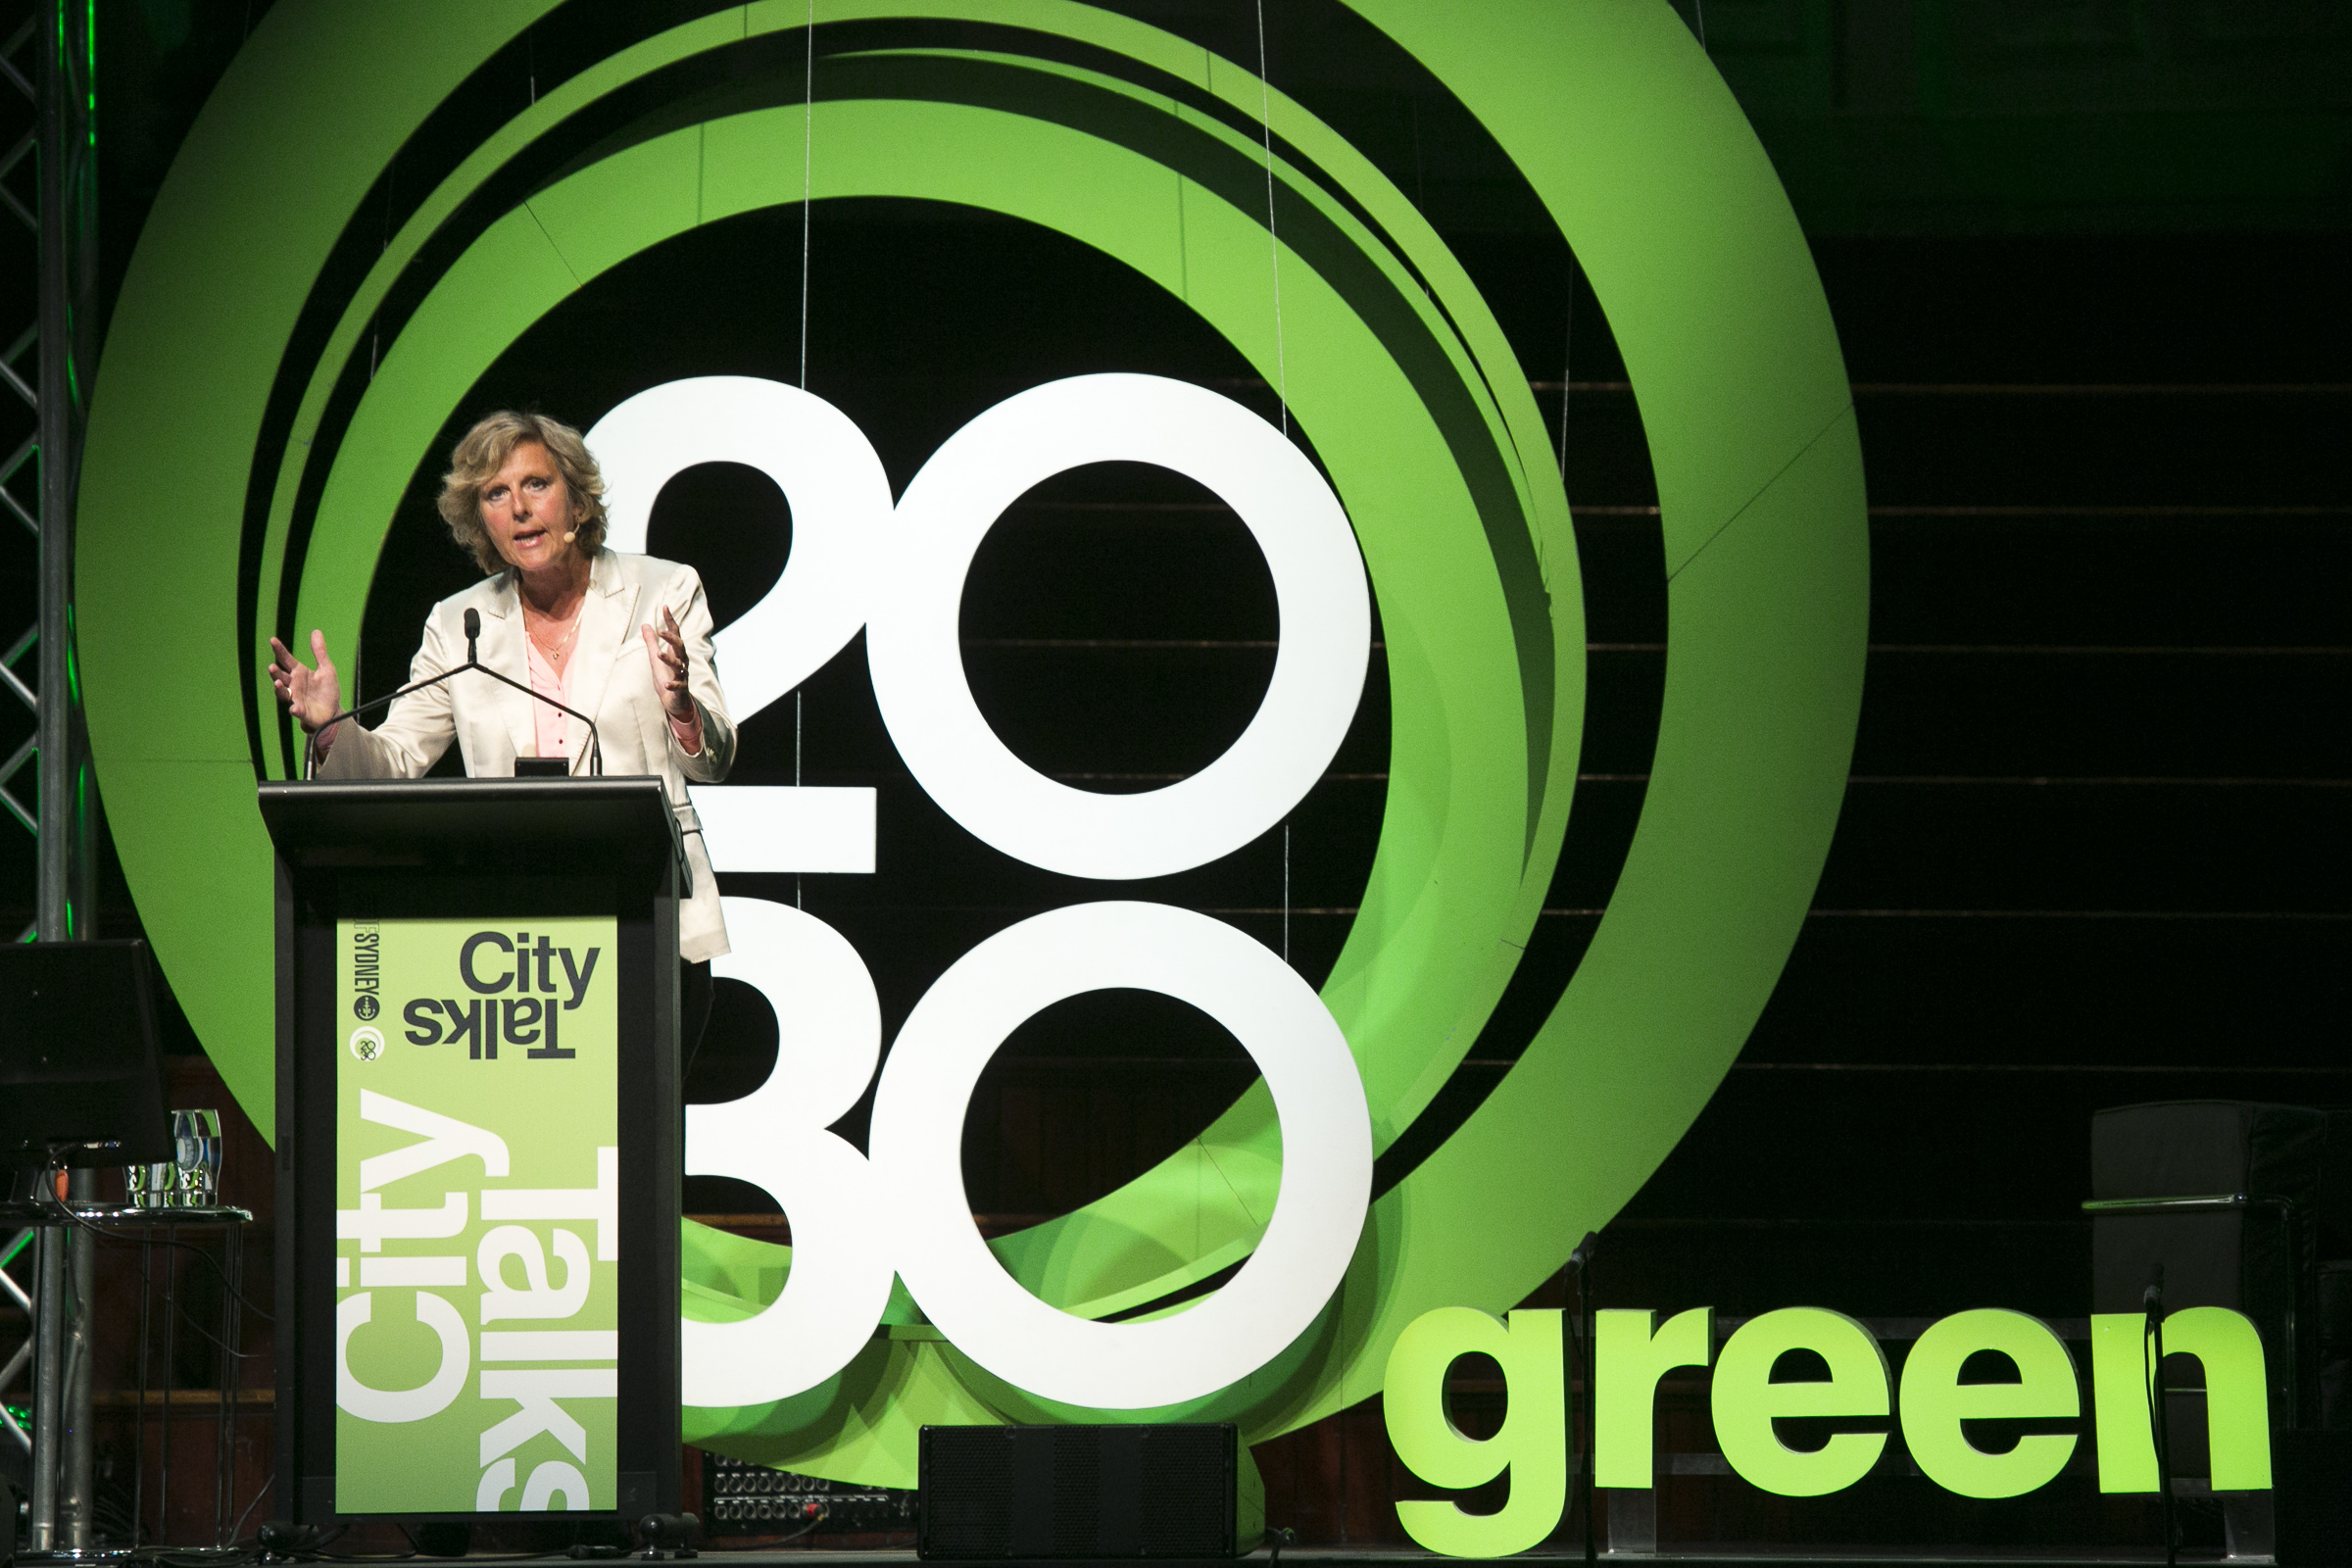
(547,722)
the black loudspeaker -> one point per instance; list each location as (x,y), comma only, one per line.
(79,1062)
(1078,1492)
(2312,1474)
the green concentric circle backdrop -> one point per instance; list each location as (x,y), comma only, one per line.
(1138,144)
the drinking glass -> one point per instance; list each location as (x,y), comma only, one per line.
(195,1170)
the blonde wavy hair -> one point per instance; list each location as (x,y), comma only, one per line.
(484,450)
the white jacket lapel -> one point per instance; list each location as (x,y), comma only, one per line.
(608,620)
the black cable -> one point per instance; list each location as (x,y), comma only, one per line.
(319,1549)
(46,1197)
(765,1543)
(109,1517)
(179,1309)
(237,1530)
(369,1556)
(419,1552)
(234,1294)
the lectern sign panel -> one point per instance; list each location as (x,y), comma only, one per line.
(477,1239)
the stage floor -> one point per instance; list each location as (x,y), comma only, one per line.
(1357,1557)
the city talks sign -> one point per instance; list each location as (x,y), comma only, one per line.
(250,364)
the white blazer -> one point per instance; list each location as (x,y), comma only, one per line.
(611,677)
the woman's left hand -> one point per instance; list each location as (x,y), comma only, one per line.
(665,651)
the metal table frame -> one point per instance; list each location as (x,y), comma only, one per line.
(60,1441)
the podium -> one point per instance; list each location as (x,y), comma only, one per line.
(479,1148)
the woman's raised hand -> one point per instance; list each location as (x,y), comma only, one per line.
(311,696)
(665,648)
(666,651)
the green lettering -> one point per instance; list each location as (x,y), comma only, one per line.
(1629,1359)
(2237,1401)
(1533,1444)
(1746,1401)
(1934,1401)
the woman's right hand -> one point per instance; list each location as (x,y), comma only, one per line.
(311,696)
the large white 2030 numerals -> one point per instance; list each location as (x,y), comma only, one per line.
(900,573)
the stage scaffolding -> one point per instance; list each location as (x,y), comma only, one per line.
(48,183)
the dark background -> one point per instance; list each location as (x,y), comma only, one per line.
(2087,260)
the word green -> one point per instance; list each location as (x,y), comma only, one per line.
(1746,1396)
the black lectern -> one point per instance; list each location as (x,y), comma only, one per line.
(478,1137)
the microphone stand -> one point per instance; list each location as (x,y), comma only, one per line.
(1581,1260)
(473,632)
(2160,1417)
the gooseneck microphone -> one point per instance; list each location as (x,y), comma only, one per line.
(473,637)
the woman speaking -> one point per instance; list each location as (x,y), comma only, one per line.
(625,638)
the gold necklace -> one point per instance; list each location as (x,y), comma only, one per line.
(551,655)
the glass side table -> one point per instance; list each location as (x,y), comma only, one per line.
(61,1352)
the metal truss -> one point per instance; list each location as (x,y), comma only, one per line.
(19,561)
(48,180)
(20,413)
(14,1372)
(48,184)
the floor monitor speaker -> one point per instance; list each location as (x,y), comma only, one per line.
(1136,1492)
